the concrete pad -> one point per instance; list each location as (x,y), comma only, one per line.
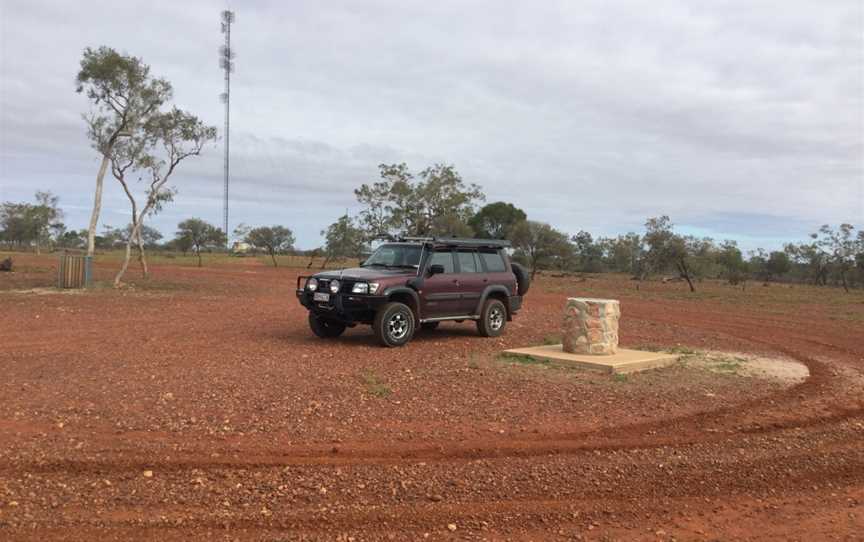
(625,361)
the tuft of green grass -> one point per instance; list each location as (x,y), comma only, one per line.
(715,362)
(726,364)
(648,347)
(683,350)
(727,367)
(156,285)
(619,377)
(375,386)
(678,349)
(509,357)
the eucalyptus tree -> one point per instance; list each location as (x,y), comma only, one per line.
(148,235)
(126,157)
(540,244)
(588,253)
(198,234)
(46,217)
(123,97)
(731,260)
(777,264)
(667,249)
(272,239)
(26,224)
(344,240)
(496,220)
(841,249)
(168,139)
(435,202)
(625,253)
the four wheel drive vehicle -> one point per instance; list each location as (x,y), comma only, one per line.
(418,282)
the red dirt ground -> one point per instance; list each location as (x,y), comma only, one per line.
(200,406)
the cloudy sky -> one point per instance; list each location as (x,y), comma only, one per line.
(739,119)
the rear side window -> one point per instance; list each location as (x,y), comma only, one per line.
(468,262)
(494,262)
(444,258)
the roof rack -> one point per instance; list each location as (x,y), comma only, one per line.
(461,241)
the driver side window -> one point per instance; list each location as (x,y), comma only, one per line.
(443,258)
(386,256)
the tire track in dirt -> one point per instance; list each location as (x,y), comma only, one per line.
(584,504)
(760,418)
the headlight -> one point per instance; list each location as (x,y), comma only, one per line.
(365,288)
(334,286)
(312,284)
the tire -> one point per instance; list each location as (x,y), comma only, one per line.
(394,324)
(493,318)
(523,278)
(429,326)
(326,329)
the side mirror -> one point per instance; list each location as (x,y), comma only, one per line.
(436,269)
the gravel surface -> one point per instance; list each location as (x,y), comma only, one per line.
(200,406)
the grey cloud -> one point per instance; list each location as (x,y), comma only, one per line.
(730,116)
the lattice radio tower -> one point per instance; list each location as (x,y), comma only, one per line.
(226,62)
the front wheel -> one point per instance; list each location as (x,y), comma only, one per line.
(493,318)
(394,324)
(326,329)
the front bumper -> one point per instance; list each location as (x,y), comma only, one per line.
(346,308)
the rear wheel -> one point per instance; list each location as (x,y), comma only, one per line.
(326,329)
(493,318)
(394,324)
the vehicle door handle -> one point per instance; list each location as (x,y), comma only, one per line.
(456,282)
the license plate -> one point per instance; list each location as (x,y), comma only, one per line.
(321,296)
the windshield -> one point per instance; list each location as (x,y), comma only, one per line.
(395,256)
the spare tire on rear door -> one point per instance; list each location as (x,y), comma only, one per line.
(523,278)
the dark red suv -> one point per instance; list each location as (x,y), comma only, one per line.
(418,282)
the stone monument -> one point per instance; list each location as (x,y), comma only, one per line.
(590,326)
(590,341)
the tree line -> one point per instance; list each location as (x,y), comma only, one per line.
(437,202)
(829,257)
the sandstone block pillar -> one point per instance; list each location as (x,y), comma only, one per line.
(591,326)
